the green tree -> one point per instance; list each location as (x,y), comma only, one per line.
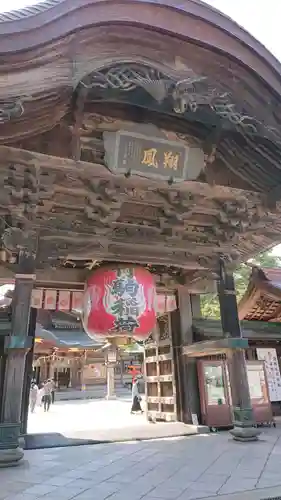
(210,304)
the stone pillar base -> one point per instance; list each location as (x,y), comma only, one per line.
(11,457)
(112,396)
(244,425)
(245,434)
(10,452)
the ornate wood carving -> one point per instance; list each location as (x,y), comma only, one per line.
(240,216)
(104,201)
(26,188)
(189,93)
(17,238)
(81,212)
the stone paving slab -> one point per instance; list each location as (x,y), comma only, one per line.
(89,422)
(95,436)
(184,468)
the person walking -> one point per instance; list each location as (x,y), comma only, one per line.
(136,398)
(33,395)
(47,395)
(40,397)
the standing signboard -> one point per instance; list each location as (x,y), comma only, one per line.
(272,370)
(214,393)
(259,392)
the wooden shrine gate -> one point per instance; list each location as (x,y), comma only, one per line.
(114,153)
(159,373)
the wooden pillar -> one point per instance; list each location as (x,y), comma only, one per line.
(228,304)
(43,370)
(122,369)
(75,373)
(81,364)
(111,363)
(82,374)
(110,382)
(243,418)
(28,372)
(72,382)
(188,391)
(2,370)
(51,369)
(195,306)
(17,346)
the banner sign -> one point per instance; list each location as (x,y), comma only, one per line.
(272,371)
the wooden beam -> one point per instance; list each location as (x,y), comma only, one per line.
(78,121)
(96,171)
(60,277)
(212,347)
(47,276)
(252,330)
(132,256)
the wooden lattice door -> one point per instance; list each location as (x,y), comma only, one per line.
(159,373)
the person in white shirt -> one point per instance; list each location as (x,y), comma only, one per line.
(33,395)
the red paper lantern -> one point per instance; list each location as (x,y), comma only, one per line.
(120,302)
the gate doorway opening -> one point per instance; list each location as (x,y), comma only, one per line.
(77,368)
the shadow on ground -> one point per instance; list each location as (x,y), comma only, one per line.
(54,440)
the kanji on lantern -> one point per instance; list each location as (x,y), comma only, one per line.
(120,302)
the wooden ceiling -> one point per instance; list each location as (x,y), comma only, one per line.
(62,89)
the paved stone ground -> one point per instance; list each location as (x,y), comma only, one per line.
(204,466)
(73,422)
(83,415)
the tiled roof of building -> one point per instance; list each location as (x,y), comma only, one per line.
(31,10)
(64,329)
(273,275)
(56,329)
(262,300)
(47,5)
(66,338)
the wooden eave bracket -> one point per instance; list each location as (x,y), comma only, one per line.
(212,347)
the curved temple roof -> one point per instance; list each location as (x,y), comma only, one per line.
(52,19)
(48,49)
(191,19)
(65,338)
(262,299)
(53,45)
